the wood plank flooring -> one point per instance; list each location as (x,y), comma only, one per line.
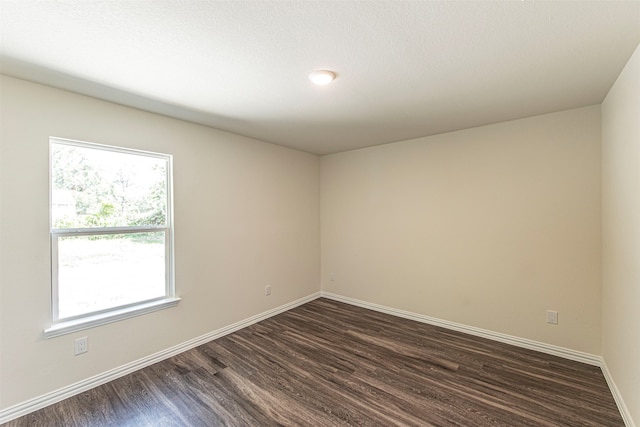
(330,364)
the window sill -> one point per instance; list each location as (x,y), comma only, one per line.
(70,326)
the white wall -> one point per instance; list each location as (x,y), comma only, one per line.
(486,227)
(621,233)
(246,215)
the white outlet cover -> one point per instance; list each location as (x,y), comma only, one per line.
(81,345)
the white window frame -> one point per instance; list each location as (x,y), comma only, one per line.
(96,318)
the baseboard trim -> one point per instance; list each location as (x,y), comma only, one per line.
(47,399)
(622,407)
(472,330)
(566,353)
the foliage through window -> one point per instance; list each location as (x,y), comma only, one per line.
(111,237)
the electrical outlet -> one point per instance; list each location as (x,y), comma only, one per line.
(81,345)
(267,290)
(332,277)
(552,317)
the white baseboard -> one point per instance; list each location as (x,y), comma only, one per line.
(47,399)
(566,353)
(622,407)
(471,330)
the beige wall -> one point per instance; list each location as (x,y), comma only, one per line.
(246,215)
(621,233)
(486,227)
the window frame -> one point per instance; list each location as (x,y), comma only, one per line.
(103,316)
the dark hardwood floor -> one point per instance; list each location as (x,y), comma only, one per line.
(331,364)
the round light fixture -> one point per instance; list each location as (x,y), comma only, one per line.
(322,77)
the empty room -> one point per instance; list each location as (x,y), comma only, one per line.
(319,213)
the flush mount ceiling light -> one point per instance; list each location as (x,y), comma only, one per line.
(322,77)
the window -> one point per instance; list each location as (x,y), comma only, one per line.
(111,234)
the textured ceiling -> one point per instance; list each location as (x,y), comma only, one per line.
(405,68)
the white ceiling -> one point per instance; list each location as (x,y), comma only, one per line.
(405,68)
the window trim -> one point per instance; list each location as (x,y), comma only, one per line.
(113,315)
(96,318)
